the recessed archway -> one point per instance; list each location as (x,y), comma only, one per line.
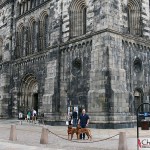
(29,93)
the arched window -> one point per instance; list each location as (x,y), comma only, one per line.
(43,38)
(134,17)
(33,36)
(77,18)
(46,31)
(1,49)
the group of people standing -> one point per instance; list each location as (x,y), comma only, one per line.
(31,115)
(83,120)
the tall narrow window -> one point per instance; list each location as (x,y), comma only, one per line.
(23,6)
(134,17)
(18,9)
(34,3)
(43,37)
(84,20)
(27,41)
(46,31)
(77,18)
(38,2)
(1,48)
(33,36)
(40,37)
(22,41)
(31,4)
(27,5)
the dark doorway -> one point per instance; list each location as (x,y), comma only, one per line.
(138,100)
(35,101)
(82,102)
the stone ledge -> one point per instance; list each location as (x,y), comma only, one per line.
(96,125)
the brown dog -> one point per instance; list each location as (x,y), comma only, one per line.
(78,131)
(71,132)
(83,130)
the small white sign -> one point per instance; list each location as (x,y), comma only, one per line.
(144,143)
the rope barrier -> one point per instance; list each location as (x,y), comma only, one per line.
(82,142)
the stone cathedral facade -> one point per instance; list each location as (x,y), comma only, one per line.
(94,54)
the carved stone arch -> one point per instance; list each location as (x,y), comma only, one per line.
(71,48)
(42,15)
(83,44)
(28,93)
(30,22)
(141,48)
(20,26)
(90,45)
(87,43)
(127,43)
(130,44)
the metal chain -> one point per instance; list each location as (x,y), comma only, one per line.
(65,138)
(83,142)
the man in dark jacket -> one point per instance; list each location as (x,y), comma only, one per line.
(83,121)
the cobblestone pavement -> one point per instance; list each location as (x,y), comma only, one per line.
(28,137)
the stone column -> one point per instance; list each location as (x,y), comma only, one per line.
(48,101)
(63,86)
(4,93)
(15,99)
(108,96)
